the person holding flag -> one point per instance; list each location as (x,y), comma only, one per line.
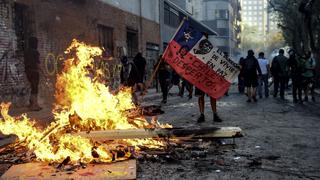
(197,60)
(213,102)
(200,94)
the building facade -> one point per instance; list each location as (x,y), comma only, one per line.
(112,24)
(223,17)
(256,13)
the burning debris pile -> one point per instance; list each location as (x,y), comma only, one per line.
(83,103)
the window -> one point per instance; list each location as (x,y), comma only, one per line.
(106,39)
(171,16)
(221,14)
(132,42)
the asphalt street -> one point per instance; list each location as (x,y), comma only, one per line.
(281,140)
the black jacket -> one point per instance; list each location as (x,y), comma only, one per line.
(251,67)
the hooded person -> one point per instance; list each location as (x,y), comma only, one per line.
(140,63)
(32,68)
(129,74)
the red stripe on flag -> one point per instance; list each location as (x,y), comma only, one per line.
(195,71)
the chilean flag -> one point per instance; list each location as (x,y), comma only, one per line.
(197,60)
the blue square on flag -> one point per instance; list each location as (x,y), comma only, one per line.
(188,36)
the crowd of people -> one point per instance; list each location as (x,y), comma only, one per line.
(168,78)
(255,74)
(133,73)
(255,78)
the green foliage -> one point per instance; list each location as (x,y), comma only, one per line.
(251,38)
(293,24)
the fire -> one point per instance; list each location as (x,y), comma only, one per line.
(83,103)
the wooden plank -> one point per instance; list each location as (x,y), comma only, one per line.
(35,171)
(192,133)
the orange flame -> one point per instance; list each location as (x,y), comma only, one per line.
(82,103)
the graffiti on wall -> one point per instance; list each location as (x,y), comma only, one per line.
(53,63)
(12,77)
(111,72)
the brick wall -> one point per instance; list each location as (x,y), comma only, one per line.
(56,23)
(13,83)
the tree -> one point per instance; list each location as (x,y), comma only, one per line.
(300,24)
(251,38)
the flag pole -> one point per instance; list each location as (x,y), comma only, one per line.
(160,61)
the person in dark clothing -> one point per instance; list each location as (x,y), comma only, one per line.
(296,68)
(186,85)
(280,72)
(140,63)
(129,76)
(250,69)
(175,80)
(241,86)
(32,68)
(164,78)
(309,74)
